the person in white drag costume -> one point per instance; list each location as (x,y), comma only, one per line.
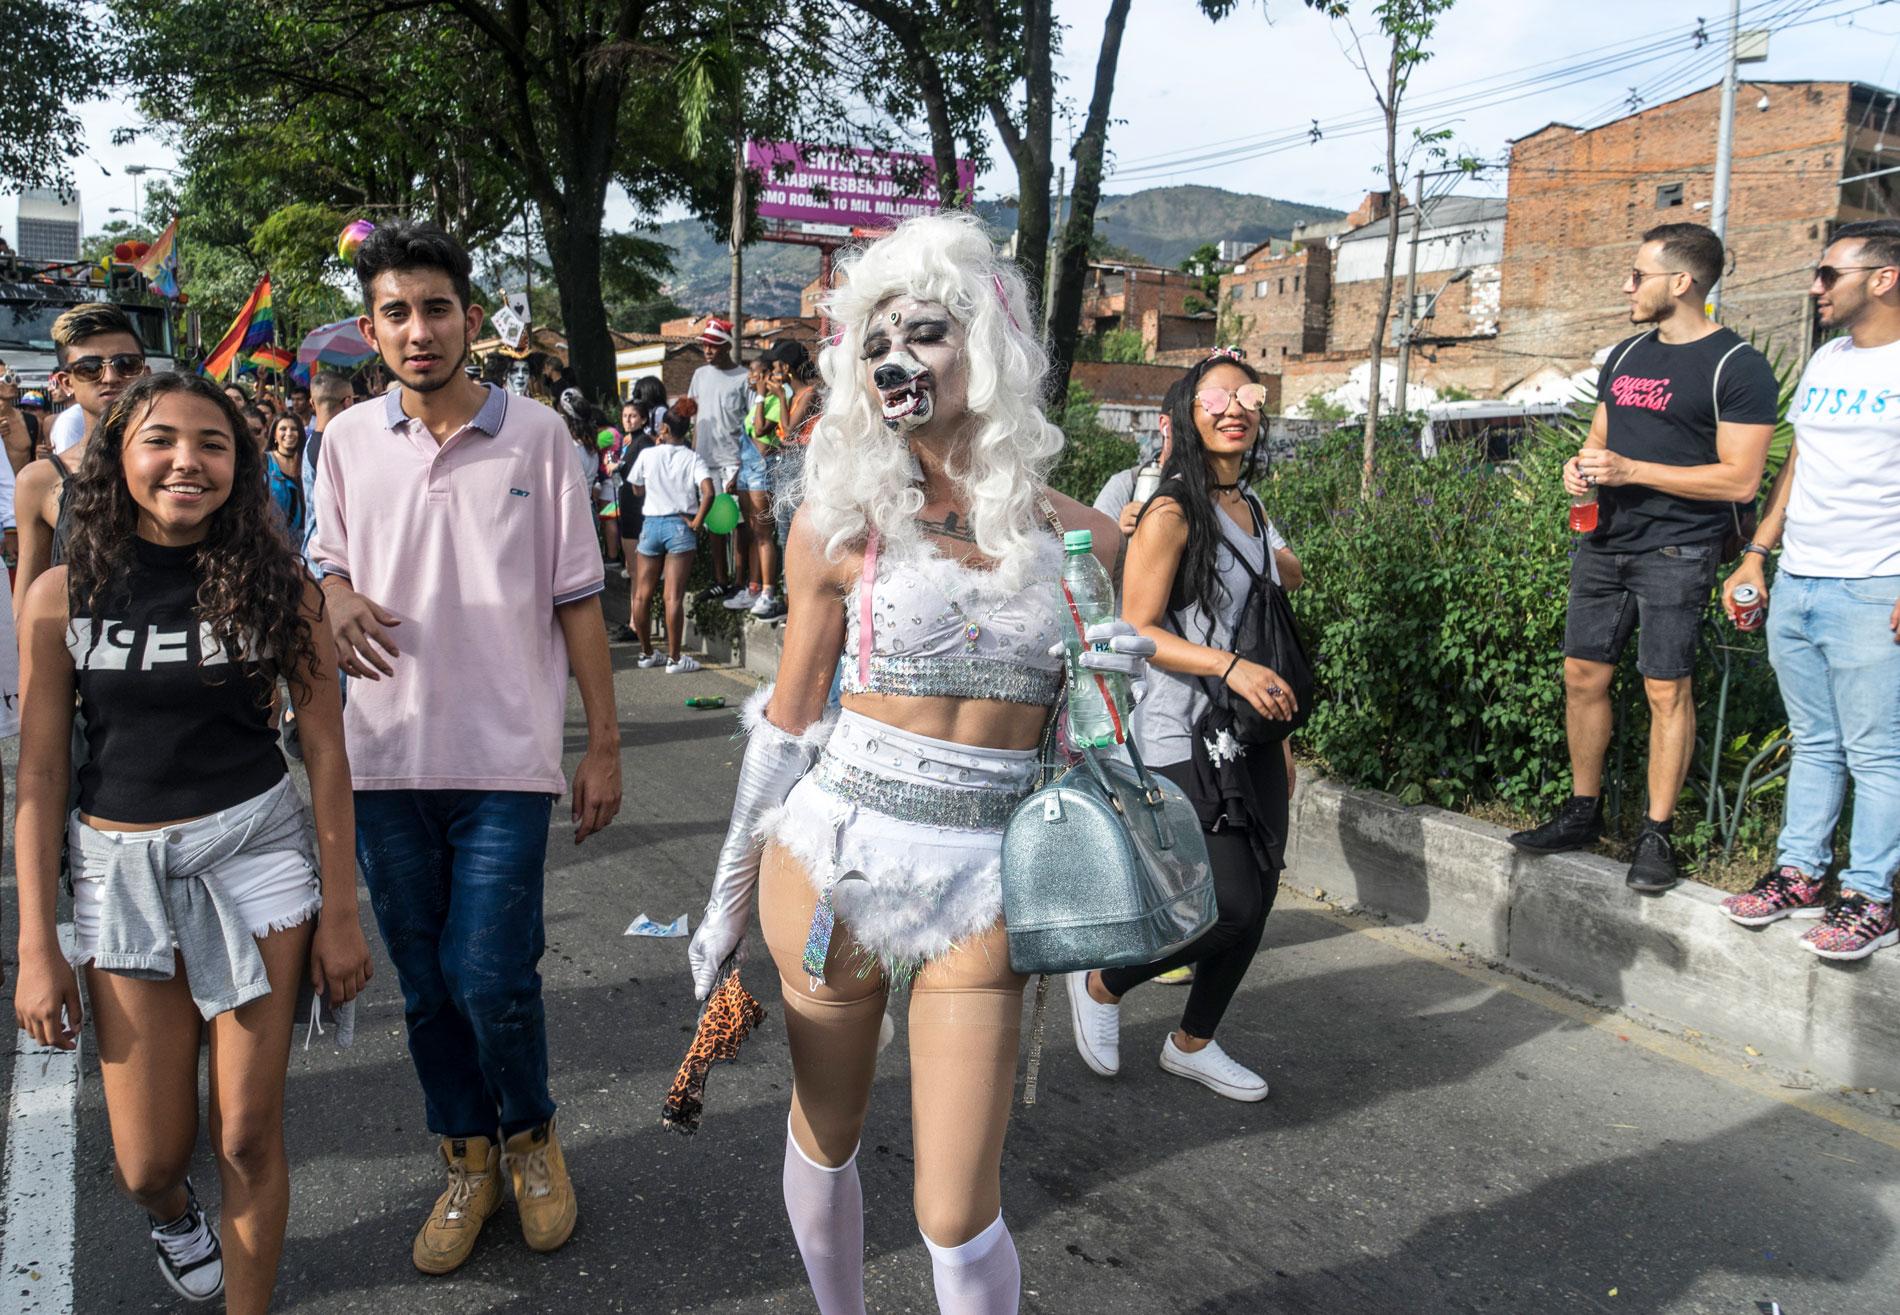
(926,555)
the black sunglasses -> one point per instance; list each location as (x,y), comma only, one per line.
(1829,275)
(90,369)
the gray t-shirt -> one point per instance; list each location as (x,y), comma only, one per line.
(722,397)
(1164,720)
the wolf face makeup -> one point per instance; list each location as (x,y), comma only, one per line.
(914,361)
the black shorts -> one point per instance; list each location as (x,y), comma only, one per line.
(1664,591)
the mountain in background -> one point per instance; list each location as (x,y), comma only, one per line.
(1161,225)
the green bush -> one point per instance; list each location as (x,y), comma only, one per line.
(1092,452)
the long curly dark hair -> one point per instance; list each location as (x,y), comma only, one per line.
(252,581)
(1185,479)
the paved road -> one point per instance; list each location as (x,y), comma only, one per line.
(1441,1138)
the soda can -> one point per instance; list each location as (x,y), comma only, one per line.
(699,701)
(1746,607)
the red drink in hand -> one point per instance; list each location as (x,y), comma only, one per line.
(1583,516)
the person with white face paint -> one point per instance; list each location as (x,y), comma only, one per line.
(926,555)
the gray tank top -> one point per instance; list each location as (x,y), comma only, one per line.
(1164,720)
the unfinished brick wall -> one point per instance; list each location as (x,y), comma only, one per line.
(1275,307)
(1580,201)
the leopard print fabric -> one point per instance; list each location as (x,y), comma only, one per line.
(730,1014)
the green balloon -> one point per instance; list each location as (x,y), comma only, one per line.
(723,516)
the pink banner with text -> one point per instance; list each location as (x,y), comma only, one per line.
(859,188)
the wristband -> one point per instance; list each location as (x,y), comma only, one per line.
(1755,548)
(1230,667)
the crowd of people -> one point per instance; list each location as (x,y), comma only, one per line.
(197,557)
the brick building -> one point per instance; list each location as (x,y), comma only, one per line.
(1151,300)
(1274,304)
(1579,202)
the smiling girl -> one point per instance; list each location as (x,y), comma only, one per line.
(195,884)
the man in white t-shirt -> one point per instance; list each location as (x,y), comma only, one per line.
(1834,626)
(69,429)
(722,391)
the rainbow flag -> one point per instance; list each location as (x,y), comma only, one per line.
(254,327)
(272,357)
(160,264)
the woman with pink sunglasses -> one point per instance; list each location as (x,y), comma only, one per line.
(1201,546)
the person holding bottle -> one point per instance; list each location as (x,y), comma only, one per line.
(926,557)
(1199,548)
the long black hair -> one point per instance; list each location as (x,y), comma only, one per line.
(1184,478)
(252,587)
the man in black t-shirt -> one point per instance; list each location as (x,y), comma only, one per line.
(1685,411)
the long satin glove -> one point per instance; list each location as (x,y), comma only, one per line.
(1126,654)
(774,761)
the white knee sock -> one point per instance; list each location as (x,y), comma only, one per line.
(826,1207)
(981,1277)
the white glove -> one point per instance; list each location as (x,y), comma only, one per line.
(774,761)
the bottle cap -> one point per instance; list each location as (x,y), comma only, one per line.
(1078,541)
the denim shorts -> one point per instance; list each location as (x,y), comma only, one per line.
(1661,594)
(753,477)
(661,535)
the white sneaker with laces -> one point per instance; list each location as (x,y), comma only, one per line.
(651,660)
(189,1255)
(742,600)
(763,605)
(687,663)
(1214,1069)
(1098,1027)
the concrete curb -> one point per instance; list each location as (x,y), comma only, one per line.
(1569,920)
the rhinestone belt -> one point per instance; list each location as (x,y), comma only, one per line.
(956,676)
(914,801)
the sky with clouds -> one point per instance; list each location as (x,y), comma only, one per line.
(1233,104)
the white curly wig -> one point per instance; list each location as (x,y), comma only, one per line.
(858,473)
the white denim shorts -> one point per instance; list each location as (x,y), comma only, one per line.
(273,892)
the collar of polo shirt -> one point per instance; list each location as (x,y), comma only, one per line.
(488,419)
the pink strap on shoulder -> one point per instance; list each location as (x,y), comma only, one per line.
(867,586)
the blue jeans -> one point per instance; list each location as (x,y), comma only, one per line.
(1839,668)
(455,880)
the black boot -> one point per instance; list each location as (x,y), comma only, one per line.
(1578,823)
(1653,867)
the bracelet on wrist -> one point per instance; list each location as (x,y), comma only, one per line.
(1757,549)
(1230,667)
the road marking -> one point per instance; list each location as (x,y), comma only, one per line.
(36,1253)
(1624,1028)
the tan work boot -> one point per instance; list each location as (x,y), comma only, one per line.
(544,1195)
(474,1193)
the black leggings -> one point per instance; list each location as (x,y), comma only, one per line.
(1244,894)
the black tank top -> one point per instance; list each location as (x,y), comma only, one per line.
(169,736)
(63,527)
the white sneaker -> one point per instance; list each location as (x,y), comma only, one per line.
(1214,1069)
(651,660)
(686,663)
(743,600)
(767,606)
(189,1255)
(1098,1027)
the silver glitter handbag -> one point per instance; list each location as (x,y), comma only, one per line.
(1104,867)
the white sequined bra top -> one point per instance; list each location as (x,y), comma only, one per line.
(940,629)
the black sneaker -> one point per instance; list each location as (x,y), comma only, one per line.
(716,593)
(1577,824)
(189,1255)
(624,635)
(1653,868)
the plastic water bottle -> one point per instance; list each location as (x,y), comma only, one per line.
(1087,590)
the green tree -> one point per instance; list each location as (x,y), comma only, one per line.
(56,59)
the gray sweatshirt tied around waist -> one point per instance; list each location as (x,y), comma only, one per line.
(155,897)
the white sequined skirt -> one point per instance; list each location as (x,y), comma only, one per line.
(904,833)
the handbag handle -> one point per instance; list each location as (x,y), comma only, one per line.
(1151,793)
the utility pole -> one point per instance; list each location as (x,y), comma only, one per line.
(1049,271)
(1725,140)
(737,242)
(1411,300)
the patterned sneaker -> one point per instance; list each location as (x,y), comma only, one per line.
(188,1252)
(683,665)
(1786,892)
(1852,928)
(651,660)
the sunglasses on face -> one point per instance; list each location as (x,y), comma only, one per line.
(1215,400)
(8,379)
(1828,275)
(91,369)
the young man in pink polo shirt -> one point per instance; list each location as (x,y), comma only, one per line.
(462,583)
